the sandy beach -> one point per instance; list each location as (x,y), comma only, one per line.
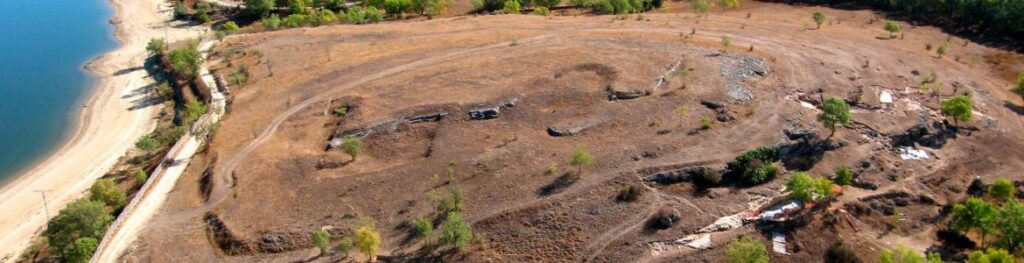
(112,117)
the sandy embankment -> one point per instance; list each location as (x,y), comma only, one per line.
(111,119)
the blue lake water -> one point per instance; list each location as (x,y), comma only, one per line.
(43,46)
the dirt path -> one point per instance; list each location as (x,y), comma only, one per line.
(117,112)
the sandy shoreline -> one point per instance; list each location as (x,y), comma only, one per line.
(107,126)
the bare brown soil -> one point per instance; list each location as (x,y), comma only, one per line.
(266,180)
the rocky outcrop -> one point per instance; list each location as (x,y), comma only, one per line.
(615,94)
(932,134)
(486,113)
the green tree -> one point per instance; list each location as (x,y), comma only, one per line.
(843,176)
(297,7)
(974,214)
(990,255)
(259,8)
(373,15)
(746,249)
(455,231)
(901,254)
(436,7)
(367,240)
(424,227)
(351,145)
(892,27)
(582,3)
(141,177)
(156,46)
(452,202)
(727,4)
(1011,226)
(230,27)
(193,110)
(726,42)
(81,250)
(958,107)
(326,17)
(581,157)
(107,192)
(701,7)
(819,18)
(542,11)
(834,111)
(547,3)
(322,240)
(1019,90)
(397,7)
(806,189)
(345,245)
(81,218)
(272,22)
(185,61)
(146,143)
(1001,189)
(203,10)
(933,257)
(511,7)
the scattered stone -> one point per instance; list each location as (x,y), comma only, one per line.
(487,113)
(712,104)
(738,92)
(723,116)
(559,132)
(864,184)
(484,113)
(724,223)
(794,132)
(427,117)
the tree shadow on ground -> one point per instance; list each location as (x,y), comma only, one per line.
(1014,107)
(558,185)
(803,154)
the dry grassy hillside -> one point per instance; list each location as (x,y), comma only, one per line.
(266,180)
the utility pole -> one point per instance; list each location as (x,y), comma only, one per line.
(46,211)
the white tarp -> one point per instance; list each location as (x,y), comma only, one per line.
(886,97)
(909,153)
(779,243)
(774,213)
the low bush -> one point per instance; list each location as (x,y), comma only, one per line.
(542,11)
(630,193)
(841,253)
(296,20)
(754,167)
(666,217)
(709,177)
(272,22)
(843,176)
(146,143)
